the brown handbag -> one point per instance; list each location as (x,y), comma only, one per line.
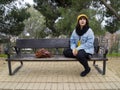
(42,53)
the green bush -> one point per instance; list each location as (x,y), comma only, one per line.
(113,55)
(3,55)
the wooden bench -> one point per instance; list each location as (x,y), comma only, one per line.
(20,54)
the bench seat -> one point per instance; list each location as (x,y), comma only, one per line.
(31,57)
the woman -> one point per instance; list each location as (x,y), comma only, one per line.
(81,43)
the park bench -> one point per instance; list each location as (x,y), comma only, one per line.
(21,53)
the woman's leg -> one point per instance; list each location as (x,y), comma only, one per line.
(68,53)
(82,57)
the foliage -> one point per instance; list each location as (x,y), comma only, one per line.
(12,24)
(112,22)
(49,11)
(107,14)
(66,24)
(94,23)
(11,19)
(112,26)
(66,9)
(6,1)
(34,26)
(3,55)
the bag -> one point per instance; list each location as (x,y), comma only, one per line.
(42,53)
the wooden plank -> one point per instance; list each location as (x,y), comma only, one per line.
(42,43)
(31,57)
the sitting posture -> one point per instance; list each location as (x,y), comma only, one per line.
(81,43)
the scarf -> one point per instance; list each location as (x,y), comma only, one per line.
(80,32)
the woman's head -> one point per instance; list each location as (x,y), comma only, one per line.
(82,24)
(82,20)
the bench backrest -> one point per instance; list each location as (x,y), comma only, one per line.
(49,43)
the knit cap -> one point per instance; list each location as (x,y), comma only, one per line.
(82,15)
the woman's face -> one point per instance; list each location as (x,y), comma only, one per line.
(82,21)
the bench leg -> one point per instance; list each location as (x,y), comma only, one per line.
(94,63)
(104,67)
(17,68)
(21,62)
(103,70)
(10,68)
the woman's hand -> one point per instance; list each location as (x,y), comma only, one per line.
(75,52)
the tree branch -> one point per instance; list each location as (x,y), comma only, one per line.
(111,9)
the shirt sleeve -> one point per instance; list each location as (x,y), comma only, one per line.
(72,40)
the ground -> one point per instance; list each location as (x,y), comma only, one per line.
(2,63)
(113,64)
(60,76)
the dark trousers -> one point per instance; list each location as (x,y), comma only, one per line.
(82,56)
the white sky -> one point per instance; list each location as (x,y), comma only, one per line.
(22,3)
(29,1)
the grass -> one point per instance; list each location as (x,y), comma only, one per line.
(109,55)
(113,55)
(3,55)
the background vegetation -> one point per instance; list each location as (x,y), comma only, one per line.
(53,18)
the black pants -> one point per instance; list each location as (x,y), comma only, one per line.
(82,57)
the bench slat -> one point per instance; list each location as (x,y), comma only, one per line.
(31,57)
(42,43)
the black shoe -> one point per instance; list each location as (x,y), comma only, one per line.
(84,73)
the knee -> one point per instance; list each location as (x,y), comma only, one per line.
(81,55)
(66,52)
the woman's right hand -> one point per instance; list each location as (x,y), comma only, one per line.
(75,52)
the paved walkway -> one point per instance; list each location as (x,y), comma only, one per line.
(56,76)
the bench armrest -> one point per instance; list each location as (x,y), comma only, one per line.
(103,51)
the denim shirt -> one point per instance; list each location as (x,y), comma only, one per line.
(86,41)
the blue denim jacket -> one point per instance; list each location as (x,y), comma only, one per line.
(86,41)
